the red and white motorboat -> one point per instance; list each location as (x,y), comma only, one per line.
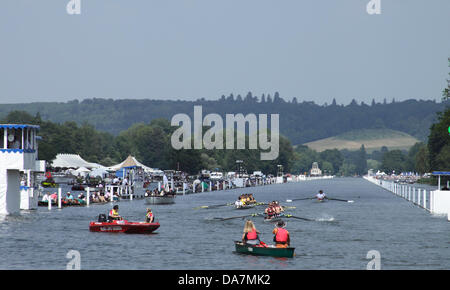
(123,226)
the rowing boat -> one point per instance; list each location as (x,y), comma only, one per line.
(123,226)
(259,250)
(244,206)
(64,203)
(272,220)
(160,199)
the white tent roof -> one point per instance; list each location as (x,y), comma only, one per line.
(82,169)
(131,161)
(73,161)
(98,172)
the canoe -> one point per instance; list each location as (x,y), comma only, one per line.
(123,226)
(165,199)
(257,250)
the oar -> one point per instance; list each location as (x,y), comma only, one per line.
(288,207)
(236,217)
(291,200)
(212,206)
(337,199)
(297,217)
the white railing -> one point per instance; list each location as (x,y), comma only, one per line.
(418,196)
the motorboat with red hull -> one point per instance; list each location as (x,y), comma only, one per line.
(123,226)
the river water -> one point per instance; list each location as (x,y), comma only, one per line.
(407,237)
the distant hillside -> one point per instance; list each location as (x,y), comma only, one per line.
(371,138)
(301,122)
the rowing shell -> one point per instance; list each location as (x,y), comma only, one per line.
(247,206)
(273,220)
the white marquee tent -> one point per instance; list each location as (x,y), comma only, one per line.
(73,161)
(83,171)
(131,162)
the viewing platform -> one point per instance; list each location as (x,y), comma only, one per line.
(18,155)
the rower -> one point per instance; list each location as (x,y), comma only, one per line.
(281,238)
(149,217)
(114,214)
(250,235)
(270,211)
(321,196)
(277,207)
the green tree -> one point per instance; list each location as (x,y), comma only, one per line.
(361,161)
(438,140)
(334,157)
(393,161)
(422,162)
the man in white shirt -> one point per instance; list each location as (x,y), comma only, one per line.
(321,196)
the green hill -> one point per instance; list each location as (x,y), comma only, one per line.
(373,139)
(300,122)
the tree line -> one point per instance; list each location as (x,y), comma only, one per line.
(150,143)
(300,122)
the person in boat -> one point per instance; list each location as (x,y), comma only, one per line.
(54,197)
(278,208)
(69,198)
(149,217)
(114,214)
(101,197)
(46,197)
(250,235)
(321,196)
(81,198)
(270,211)
(281,238)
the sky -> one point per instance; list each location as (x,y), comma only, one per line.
(314,50)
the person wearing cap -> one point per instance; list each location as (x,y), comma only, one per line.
(149,217)
(281,238)
(114,214)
